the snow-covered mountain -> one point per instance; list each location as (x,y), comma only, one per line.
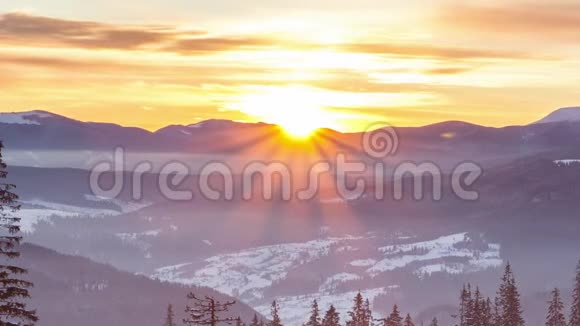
(569,114)
(25,118)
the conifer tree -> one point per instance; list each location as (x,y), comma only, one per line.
(170,317)
(510,310)
(331,318)
(466,307)
(275,311)
(13,289)
(255,321)
(434,322)
(314,315)
(357,314)
(556,310)
(408,321)
(487,313)
(395,318)
(478,309)
(464,303)
(575,311)
(368,314)
(496,314)
(205,312)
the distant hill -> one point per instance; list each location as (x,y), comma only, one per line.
(70,291)
(570,114)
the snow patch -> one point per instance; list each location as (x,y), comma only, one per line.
(22,118)
(399,256)
(363,262)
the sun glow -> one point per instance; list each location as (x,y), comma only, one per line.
(298,111)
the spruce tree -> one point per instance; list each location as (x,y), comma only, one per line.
(13,289)
(275,311)
(314,315)
(408,321)
(464,303)
(395,318)
(357,314)
(368,314)
(331,318)
(575,311)
(255,321)
(510,310)
(556,310)
(487,313)
(496,314)
(170,317)
(478,309)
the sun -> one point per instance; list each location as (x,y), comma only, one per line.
(299,128)
(298,111)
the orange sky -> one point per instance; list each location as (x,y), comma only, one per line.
(327,63)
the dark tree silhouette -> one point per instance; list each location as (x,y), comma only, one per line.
(13,289)
(331,318)
(395,318)
(170,317)
(275,311)
(556,310)
(359,315)
(575,311)
(408,321)
(206,311)
(255,321)
(510,309)
(434,322)
(466,306)
(314,315)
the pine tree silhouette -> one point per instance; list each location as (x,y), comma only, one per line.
(255,321)
(408,321)
(206,311)
(510,310)
(13,290)
(170,316)
(395,318)
(275,310)
(331,318)
(314,315)
(464,306)
(358,314)
(556,310)
(575,311)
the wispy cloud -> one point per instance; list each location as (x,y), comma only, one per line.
(27,29)
(547,21)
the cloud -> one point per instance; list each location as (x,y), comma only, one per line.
(533,20)
(26,29)
(448,70)
(214,44)
(431,51)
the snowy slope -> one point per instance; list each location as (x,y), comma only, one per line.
(571,114)
(256,274)
(24,118)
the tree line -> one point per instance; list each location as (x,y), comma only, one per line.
(505,309)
